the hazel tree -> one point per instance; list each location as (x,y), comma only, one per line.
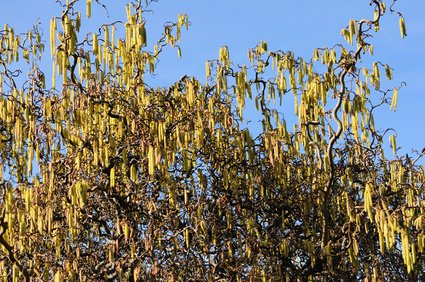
(108,178)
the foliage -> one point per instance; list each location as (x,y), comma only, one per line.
(108,178)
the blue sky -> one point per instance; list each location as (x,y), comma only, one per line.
(300,26)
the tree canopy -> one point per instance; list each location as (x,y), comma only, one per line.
(105,177)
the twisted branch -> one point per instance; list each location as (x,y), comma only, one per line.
(337,134)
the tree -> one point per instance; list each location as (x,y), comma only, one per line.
(108,178)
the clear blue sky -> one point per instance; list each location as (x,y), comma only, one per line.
(299,26)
